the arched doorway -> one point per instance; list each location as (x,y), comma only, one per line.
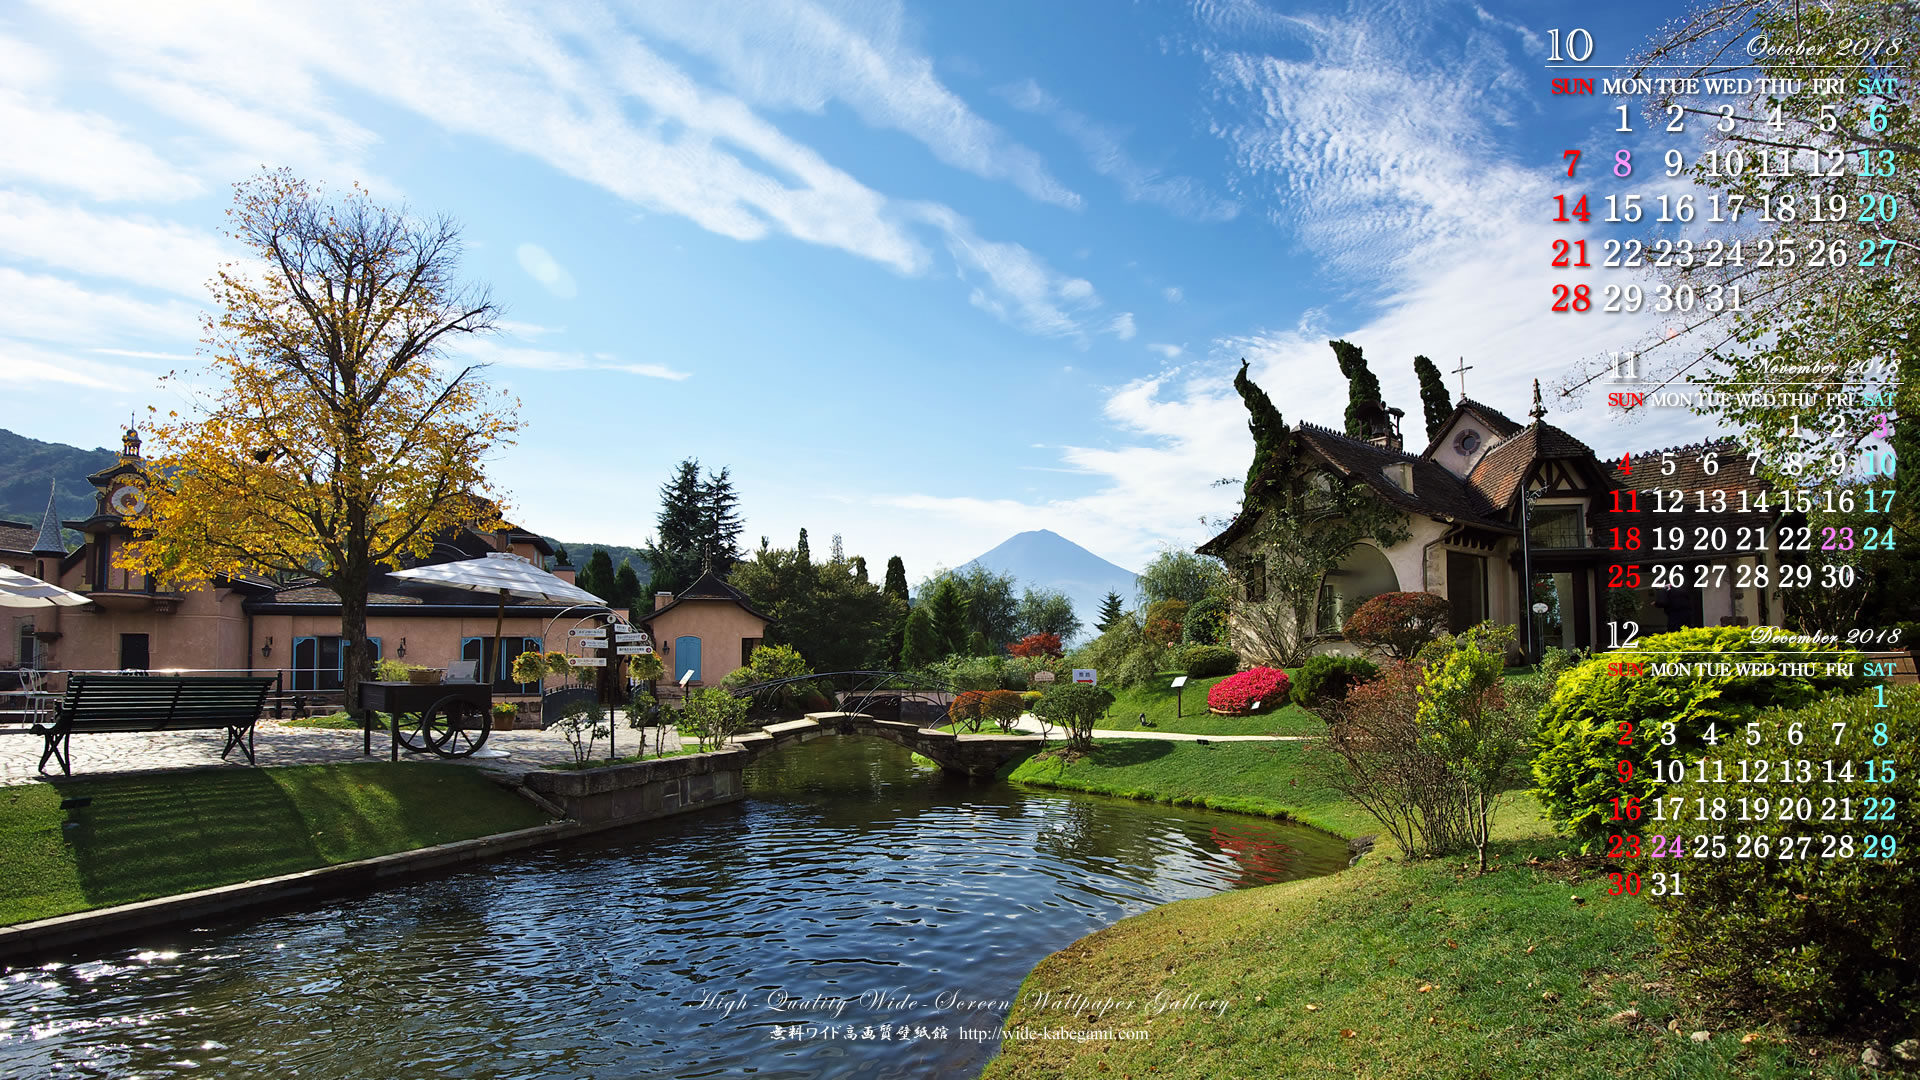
(1364,574)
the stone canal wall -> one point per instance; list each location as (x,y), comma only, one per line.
(644,790)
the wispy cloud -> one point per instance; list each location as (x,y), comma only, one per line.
(1012,282)
(1173,294)
(25,364)
(84,152)
(796,54)
(160,255)
(1122,326)
(544,269)
(1106,153)
(1170,352)
(507,353)
(52,309)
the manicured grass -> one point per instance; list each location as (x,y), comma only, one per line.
(1394,971)
(165,833)
(1269,779)
(1158,702)
(339,721)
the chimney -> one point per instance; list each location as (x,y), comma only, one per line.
(661,599)
(567,574)
(1401,473)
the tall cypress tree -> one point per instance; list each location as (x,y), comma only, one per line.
(1272,442)
(626,585)
(860,569)
(1110,611)
(920,645)
(1363,387)
(597,578)
(896,582)
(1435,402)
(946,607)
(804,552)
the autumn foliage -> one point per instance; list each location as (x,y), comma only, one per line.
(1398,622)
(1036,645)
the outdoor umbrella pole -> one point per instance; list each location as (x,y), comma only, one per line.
(499,643)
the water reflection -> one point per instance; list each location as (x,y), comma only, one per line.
(852,889)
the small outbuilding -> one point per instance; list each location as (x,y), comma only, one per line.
(709,629)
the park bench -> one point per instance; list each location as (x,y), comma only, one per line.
(95,703)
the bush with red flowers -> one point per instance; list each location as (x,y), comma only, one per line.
(1397,622)
(1236,695)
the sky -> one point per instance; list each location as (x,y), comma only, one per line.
(920,274)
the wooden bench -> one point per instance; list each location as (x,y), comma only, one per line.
(153,703)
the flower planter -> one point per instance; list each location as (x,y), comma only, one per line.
(426,677)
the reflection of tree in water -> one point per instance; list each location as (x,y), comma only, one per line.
(1262,859)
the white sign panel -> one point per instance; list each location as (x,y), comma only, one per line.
(629,637)
(587,631)
(1085,675)
(634,650)
(1178,683)
(587,661)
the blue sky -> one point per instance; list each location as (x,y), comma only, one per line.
(921,274)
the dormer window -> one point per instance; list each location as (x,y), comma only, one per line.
(1467,442)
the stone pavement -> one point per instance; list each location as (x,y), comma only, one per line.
(276,743)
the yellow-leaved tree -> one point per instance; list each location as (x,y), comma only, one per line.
(340,437)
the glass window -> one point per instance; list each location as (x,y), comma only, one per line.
(1557,527)
(1256,580)
(27,659)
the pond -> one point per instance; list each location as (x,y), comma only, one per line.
(853,889)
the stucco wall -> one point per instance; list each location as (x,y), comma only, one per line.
(720,625)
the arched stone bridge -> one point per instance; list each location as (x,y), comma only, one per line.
(970,755)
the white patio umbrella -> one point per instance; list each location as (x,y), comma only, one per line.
(19,590)
(503,573)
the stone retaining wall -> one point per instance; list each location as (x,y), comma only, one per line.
(644,790)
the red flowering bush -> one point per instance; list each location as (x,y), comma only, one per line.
(1002,708)
(968,709)
(1235,695)
(1397,622)
(1036,645)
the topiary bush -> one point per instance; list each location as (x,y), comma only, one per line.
(1398,623)
(1327,678)
(1204,661)
(1077,707)
(1237,695)
(1827,937)
(1166,621)
(1206,622)
(1577,753)
(1002,708)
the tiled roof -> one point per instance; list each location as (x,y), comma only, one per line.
(1497,476)
(17,536)
(709,587)
(1501,424)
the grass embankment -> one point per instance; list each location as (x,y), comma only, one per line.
(156,835)
(601,763)
(1248,778)
(1391,970)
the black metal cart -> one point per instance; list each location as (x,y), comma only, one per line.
(449,719)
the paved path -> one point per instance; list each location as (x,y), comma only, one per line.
(276,743)
(1033,726)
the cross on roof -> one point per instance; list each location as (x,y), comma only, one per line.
(1462,372)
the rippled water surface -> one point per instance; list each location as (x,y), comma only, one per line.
(851,888)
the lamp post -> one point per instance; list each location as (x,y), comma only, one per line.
(1526,575)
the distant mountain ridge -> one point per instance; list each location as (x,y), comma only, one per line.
(26,466)
(1043,558)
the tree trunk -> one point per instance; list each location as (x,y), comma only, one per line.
(351,584)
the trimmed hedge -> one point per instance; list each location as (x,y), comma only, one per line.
(1328,677)
(1202,661)
(1577,752)
(1821,937)
(1206,622)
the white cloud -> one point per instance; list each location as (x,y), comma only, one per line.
(1170,352)
(1122,326)
(546,270)
(800,55)
(1173,294)
(46,308)
(23,364)
(1012,282)
(23,65)
(161,255)
(504,353)
(1182,195)
(86,152)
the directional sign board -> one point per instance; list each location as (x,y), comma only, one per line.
(634,650)
(629,637)
(587,631)
(1085,675)
(587,661)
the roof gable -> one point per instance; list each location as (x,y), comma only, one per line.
(708,587)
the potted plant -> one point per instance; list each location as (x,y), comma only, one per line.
(422,676)
(504,713)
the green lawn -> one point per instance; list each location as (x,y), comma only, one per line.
(1158,702)
(1396,971)
(157,835)
(1250,778)
(339,721)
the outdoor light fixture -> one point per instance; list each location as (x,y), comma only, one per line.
(267,649)
(401,652)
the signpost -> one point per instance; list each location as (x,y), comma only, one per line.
(1178,684)
(1086,675)
(587,661)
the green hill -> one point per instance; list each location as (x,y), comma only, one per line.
(26,465)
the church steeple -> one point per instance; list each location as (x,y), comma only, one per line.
(1538,409)
(49,541)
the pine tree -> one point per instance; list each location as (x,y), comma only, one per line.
(560,556)
(919,645)
(1110,611)
(717,542)
(859,567)
(896,582)
(805,552)
(1363,387)
(673,554)
(626,585)
(1272,442)
(1435,402)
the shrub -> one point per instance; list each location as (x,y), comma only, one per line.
(971,672)
(1002,708)
(1166,621)
(1029,697)
(1124,656)
(583,724)
(1076,707)
(1036,645)
(1206,622)
(713,716)
(966,709)
(1202,661)
(1397,622)
(396,671)
(1577,755)
(1237,695)
(1328,678)
(1018,672)
(1465,716)
(1374,754)
(1822,940)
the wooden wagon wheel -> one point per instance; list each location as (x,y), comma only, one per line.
(455,726)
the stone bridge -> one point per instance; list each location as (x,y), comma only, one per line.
(969,755)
